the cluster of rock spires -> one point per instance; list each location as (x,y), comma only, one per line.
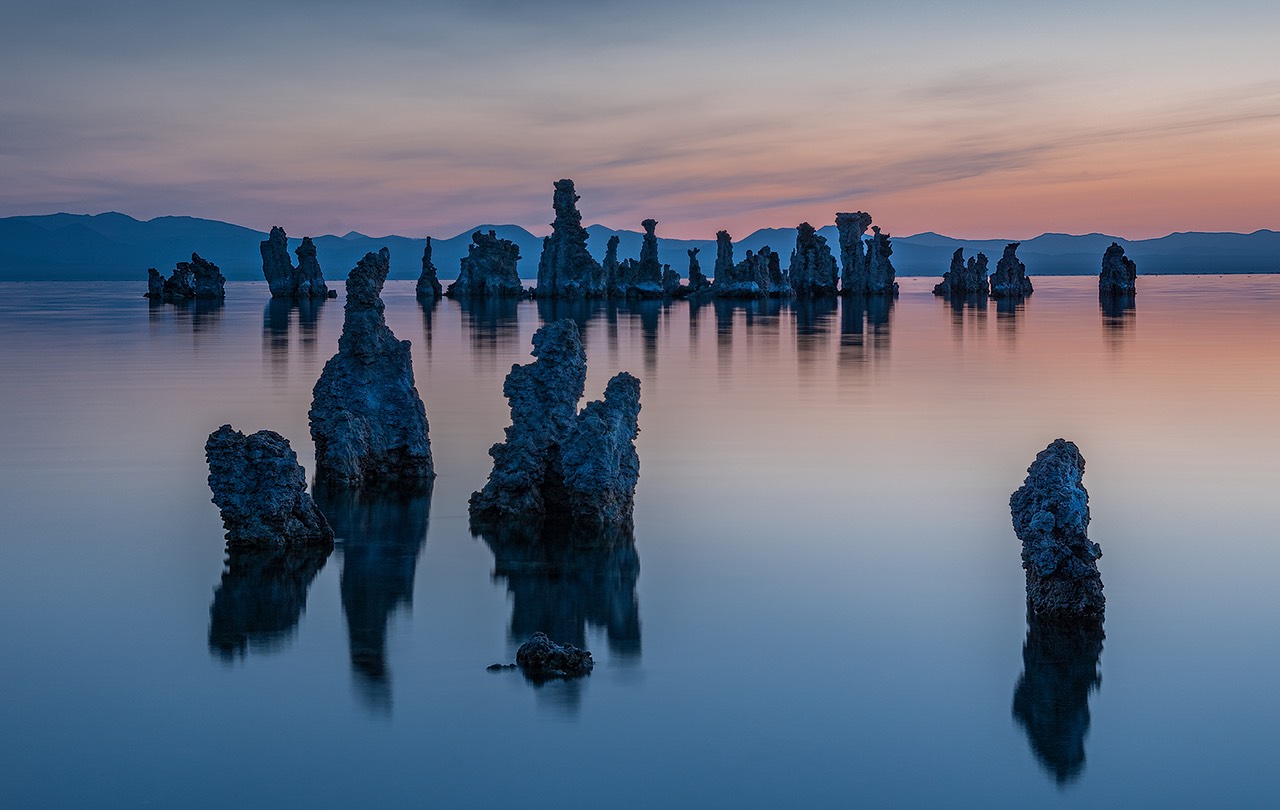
(488,269)
(286,281)
(558,463)
(964,280)
(197,279)
(1119,276)
(367,420)
(1051,518)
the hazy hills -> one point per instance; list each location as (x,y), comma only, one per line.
(110,247)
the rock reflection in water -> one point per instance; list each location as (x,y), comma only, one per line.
(381,535)
(1051,700)
(865,325)
(277,325)
(492,325)
(562,582)
(1117,318)
(813,318)
(260,600)
(200,316)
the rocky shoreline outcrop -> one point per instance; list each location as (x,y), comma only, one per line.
(367,420)
(813,272)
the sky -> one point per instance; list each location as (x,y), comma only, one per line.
(975,120)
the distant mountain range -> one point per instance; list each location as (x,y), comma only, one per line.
(116,247)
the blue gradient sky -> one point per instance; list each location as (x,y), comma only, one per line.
(974,119)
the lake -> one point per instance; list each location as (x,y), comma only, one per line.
(822,604)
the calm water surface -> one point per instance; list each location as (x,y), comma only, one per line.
(822,604)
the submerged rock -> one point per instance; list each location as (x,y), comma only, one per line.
(556,462)
(286,281)
(367,420)
(1010,278)
(964,280)
(488,269)
(1051,518)
(261,491)
(197,279)
(566,269)
(813,268)
(1119,276)
(855,266)
(541,659)
(428,286)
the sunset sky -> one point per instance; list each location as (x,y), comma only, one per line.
(992,119)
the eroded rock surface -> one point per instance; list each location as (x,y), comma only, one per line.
(698,281)
(813,269)
(367,420)
(488,269)
(880,272)
(286,281)
(541,659)
(556,462)
(566,269)
(855,267)
(1010,278)
(197,279)
(1119,276)
(261,491)
(1051,518)
(964,280)
(428,286)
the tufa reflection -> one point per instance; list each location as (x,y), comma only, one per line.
(381,535)
(492,324)
(564,580)
(261,598)
(1051,700)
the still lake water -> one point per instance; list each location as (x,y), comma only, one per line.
(823,604)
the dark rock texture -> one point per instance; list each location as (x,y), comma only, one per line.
(880,272)
(723,268)
(759,275)
(646,281)
(286,281)
(671,286)
(1051,518)
(698,282)
(964,280)
(609,269)
(1051,700)
(1119,276)
(556,462)
(855,267)
(198,279)
(566,269)
(428,286)
(541,659)
(1010,278)
(367,420)
(813,269)
(261,491)
(489,269)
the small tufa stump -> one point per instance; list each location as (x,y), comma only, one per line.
(541,659)
(1051,518)
(261,491)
